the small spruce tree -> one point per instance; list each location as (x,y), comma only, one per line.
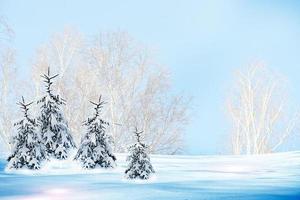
(56,134)
(95,148)
(28,149)
(139,165)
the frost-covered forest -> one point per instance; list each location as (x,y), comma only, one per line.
(97,114)
(134,85)
(137,90)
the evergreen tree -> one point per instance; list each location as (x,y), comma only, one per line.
(95,148)
(28,149)
(56,134)
(139,165)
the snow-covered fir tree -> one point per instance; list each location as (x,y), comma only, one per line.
(28,150)
(56,134)
(139,165)
(95,148)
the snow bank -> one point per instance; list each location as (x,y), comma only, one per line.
(258,177)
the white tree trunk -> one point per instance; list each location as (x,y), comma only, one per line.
(256,110)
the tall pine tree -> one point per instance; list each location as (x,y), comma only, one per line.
(95,148)
(28,149)
(139,165)
(56,134)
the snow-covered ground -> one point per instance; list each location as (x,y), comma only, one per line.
(266,177)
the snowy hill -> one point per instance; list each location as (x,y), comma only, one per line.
(266,177)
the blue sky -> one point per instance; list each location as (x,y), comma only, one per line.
(202,42)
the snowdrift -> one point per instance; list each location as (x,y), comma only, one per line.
(258,177)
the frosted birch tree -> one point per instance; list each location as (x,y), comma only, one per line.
(257,108)
(126,73)
(7,83)
(137,88)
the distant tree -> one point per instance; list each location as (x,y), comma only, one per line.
(28,150)
(95,148)
(257,109)
(6,32)
(139,165)
(55,131)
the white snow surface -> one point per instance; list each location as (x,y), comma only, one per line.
(257,177)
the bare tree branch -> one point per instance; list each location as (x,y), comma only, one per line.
(256,110)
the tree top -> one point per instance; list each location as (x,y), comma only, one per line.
(24,106)
(98,105)
(48,80)
(138,134)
